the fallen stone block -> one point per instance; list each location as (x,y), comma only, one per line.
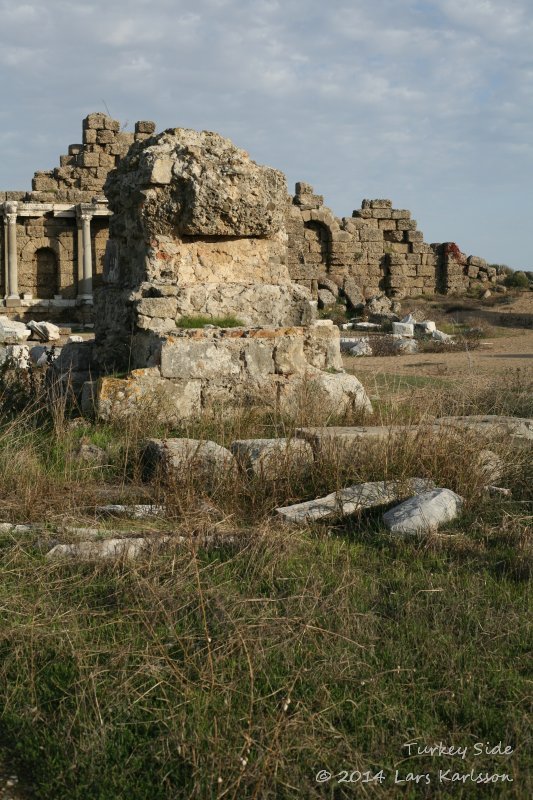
(329,285)
(326,441)
(405,345)
(45,331)
(326,299)
(17,355)
(12,332)
(91,454)
(346,344)
(10,527)
(340,392)
(135,512)
(179,458)
(490,465)
(267,458)
(362,347)
(424,513)
(408,320)
(492,425)
(403,328)
(106,548)
(498,491)
(425,327)
(366,326)
(440,336)
(352,499)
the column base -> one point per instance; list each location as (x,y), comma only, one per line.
(12,301)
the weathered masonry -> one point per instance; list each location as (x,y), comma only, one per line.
(53,239)
(377,249)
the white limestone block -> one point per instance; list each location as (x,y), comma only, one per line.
(403,328)
(424,513)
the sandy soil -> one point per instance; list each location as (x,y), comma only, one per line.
(494,356)
(508,351)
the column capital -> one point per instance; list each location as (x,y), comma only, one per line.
(85,211)
(10,211)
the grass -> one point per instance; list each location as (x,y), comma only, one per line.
(241,670)
(200,321)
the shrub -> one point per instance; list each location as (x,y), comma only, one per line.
(517,280)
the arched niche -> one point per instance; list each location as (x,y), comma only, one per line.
(317,244)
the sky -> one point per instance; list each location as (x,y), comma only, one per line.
(426,102)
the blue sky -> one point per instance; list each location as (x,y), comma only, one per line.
(427,102)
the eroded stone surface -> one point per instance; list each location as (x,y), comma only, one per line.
(272,458)
(424,513)
(352,499)
(183,458)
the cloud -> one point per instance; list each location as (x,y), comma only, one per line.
(426,101)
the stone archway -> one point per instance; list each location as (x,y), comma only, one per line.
(40,263)
(45,271)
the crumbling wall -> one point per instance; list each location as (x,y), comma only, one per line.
(83,170)
(47,229)
(197,228)
(378,249)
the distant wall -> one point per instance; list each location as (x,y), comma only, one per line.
(379,249)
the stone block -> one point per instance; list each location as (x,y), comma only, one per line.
(165,307)
(112,124)
(326,299)
(270,459)
(179,459)
(475,261)
(45,331)
(96,121)
(289,357)
(105,137)
(12,332)
(90,159)
(258,359)
(89,136)
(187,359)
(106,160)
(351,500)
(424,513)
(403,328)
(145,126)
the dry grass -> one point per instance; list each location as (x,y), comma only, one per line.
(241,670)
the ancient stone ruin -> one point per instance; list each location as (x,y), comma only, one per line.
(54,239)
(198,228)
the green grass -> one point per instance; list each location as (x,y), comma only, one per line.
(293,654)
(199,321)
(242,670)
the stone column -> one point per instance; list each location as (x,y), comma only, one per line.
(6,282)
(12,265)
(85,287)
(79,262)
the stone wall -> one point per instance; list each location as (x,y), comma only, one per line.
(195,370)
(47,223)
(83,170)
(377,249)
(260,266)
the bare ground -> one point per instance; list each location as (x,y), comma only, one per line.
(507,348)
